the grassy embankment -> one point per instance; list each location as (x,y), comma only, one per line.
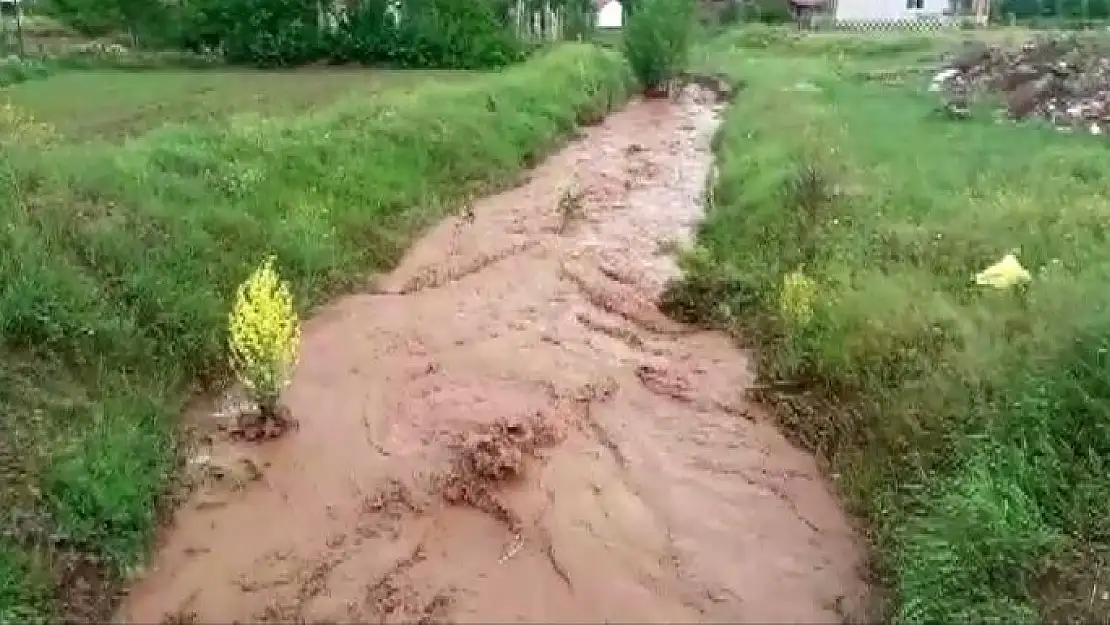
(971,427)
(119,260)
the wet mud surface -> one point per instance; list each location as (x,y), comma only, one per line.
(508,430)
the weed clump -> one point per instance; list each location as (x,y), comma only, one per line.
(263,337)
(657,40)
(797,298)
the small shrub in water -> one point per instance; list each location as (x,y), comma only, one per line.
(264,336)
(657,39)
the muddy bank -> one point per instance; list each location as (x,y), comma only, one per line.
(507,429)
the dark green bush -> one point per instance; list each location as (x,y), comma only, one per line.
(266,33)
(88,17)
(732,13)
(150,23)
(767,11)
(446,34)
(579,23)
(14,70)
(657,39)
(454,34)
(368,33)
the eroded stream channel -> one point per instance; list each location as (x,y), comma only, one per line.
(509,431)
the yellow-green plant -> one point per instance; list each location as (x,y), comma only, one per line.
(19,127)
(264,335)
(796,298)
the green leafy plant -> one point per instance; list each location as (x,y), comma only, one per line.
(266,33)
(444,34)
(150,23)
(657,40)
(264,336)
(579,22)
(767,11)
(14,70)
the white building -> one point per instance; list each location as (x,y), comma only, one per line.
(890,10)
(610,14)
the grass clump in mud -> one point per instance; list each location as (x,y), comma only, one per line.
(969,424)
(485,460)
(121,263)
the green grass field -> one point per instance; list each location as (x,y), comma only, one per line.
(120,260)
(970,427)
(110,104)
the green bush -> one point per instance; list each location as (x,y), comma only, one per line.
(446,34)
(367,34)
(14,70)
(149,23)
(266,33)
(579,24)
(120,263)
(86,16)
(657,39)
(455,34)
(970,426)
(732,13)
(767,12)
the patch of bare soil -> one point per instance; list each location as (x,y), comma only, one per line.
(509,430)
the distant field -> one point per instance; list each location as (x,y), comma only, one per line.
(112,104)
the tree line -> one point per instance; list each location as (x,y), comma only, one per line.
(449,34)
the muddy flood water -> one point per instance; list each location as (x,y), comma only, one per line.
(508,430)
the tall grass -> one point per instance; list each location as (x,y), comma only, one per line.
(971,427)
(119,263)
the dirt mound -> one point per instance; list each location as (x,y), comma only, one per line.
(497,454)
(1063,80)
(508,430)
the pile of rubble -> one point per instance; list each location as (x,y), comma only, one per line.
(1065,81)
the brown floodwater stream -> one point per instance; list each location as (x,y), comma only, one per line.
(508,430)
